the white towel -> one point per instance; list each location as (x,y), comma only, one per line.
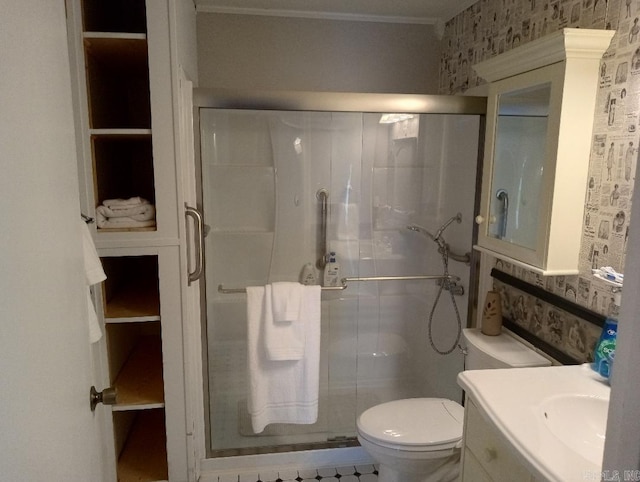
(124,222)
(282,391)
(284,336)
(124,203)
(286,298)
(141,212)
(94,273)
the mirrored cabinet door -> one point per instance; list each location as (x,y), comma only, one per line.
(520,156)
(518,166)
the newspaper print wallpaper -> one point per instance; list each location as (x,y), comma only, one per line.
(491,27)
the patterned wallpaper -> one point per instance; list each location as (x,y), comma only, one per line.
(491,27)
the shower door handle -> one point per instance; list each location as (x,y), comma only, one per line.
(198,224)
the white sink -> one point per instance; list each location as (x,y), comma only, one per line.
(578,421)
(553,417)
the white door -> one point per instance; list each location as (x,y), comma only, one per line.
(47,430)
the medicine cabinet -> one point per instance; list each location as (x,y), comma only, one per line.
(542,98)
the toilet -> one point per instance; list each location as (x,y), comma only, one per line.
(420,439)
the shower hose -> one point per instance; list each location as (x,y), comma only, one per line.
(444,252)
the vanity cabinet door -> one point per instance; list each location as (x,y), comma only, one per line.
(472,470)
(489,453)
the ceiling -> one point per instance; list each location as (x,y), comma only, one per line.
(397,11)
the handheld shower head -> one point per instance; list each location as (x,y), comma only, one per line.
(457,217)
(443,247)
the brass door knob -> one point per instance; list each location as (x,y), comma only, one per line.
(108,396)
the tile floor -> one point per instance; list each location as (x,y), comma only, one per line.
(359,473)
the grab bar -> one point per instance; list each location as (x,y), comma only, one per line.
(346,281)
(322,195)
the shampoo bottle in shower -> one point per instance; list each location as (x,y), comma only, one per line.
(332,271)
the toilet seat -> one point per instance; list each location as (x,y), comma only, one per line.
(414,424)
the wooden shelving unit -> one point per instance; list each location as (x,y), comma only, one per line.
(134,342)
(115,105)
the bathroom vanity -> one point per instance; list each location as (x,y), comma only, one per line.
(534,424)
(486,455)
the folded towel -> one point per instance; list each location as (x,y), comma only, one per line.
(141,212)
(123,222)
(124,203)
(282,391)
(284,335)
(94,273)
(286,298)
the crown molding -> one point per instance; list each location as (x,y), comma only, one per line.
(352,17)
(568,43)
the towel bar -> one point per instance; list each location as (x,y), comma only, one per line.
(346,281)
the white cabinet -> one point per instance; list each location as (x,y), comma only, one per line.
(540,109)
(122,76)
(486,456)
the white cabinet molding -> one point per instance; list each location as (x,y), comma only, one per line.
(568,43)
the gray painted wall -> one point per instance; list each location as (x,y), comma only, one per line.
(277,53)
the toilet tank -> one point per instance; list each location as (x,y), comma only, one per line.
(501,351)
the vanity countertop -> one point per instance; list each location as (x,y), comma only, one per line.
(554,417)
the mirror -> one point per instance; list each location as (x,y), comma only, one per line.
(519,159)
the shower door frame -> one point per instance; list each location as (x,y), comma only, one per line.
(213,98)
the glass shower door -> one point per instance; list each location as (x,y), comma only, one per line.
(261,172)
(261,175)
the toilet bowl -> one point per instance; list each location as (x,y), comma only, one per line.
(414,440)
(420,439)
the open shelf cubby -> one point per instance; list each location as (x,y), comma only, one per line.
(114,16)
(117,82)
(135,365)
(123,166)
(131,291)
(141,445)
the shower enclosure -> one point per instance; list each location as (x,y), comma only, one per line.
(287,179)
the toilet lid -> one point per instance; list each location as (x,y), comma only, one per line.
(414,421)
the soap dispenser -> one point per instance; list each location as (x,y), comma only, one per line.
(308,275)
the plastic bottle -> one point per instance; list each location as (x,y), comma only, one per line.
(606,348)
(308,275)
(332,271)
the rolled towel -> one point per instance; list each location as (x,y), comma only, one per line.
(140,212)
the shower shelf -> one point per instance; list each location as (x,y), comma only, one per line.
(346,281)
